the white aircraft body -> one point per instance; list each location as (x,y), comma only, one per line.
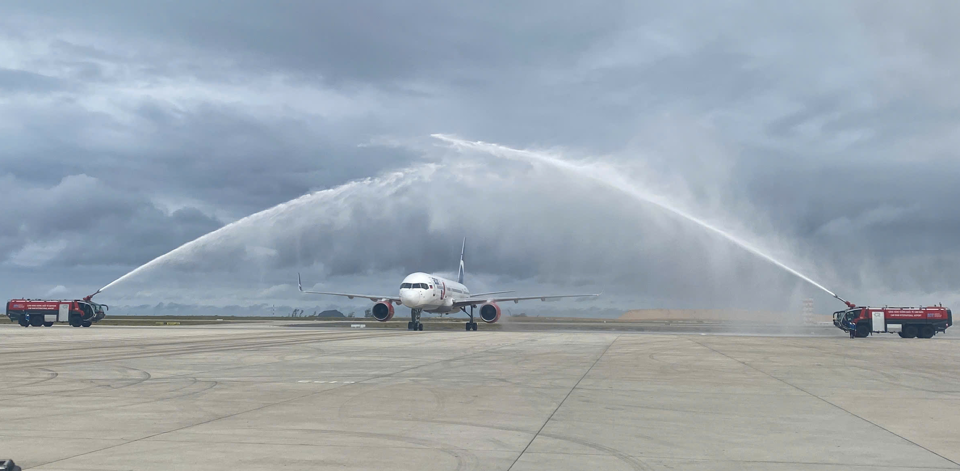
(423,292)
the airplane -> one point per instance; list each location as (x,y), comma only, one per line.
(423,292)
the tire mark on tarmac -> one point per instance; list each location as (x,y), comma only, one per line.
(165,395)
(798,388)
(119,357)
(208,347)
(186,341)
(634,462)
(94,383)
(82,345)
(297,398)
(142,376)
(465,459)
(50,375)
(893,380)
(311,345)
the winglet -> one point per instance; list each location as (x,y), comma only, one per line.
(299,283)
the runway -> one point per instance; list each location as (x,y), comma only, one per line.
(266,396)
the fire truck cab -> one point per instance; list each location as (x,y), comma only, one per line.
(907,322)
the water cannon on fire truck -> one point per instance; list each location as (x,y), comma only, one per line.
(89,298)
(844,301)
(39,312)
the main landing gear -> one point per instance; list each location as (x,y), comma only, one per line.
(470,325)
(415,323)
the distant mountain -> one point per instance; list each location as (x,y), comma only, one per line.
(175,309)
(330,311)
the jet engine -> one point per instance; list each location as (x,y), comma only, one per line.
(383,311)
(490,313)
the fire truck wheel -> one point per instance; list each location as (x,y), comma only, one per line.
(23,322)
(48,324)
(863,330)
(926,332)
(86,324)
(909,331)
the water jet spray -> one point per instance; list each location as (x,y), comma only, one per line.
(615,180)
(392,180)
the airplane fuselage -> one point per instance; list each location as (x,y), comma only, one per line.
(431,293)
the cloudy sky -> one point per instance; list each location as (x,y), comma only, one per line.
(824,133)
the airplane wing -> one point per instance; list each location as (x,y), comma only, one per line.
(373,298)
(475,300)
(480,295)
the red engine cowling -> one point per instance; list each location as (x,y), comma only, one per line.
(490,313)
(382,311)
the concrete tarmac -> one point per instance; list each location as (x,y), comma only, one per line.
(272,397)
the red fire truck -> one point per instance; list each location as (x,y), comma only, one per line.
(36,312)
(908,322)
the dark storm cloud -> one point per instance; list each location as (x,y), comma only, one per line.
(377,40)
(829,129)
(82,221)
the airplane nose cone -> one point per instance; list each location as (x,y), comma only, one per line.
(409,298)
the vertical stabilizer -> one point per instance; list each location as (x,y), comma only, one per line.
(460,272)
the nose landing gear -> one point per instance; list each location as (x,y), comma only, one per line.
(415,323)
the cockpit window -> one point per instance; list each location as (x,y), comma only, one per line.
(405,285)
